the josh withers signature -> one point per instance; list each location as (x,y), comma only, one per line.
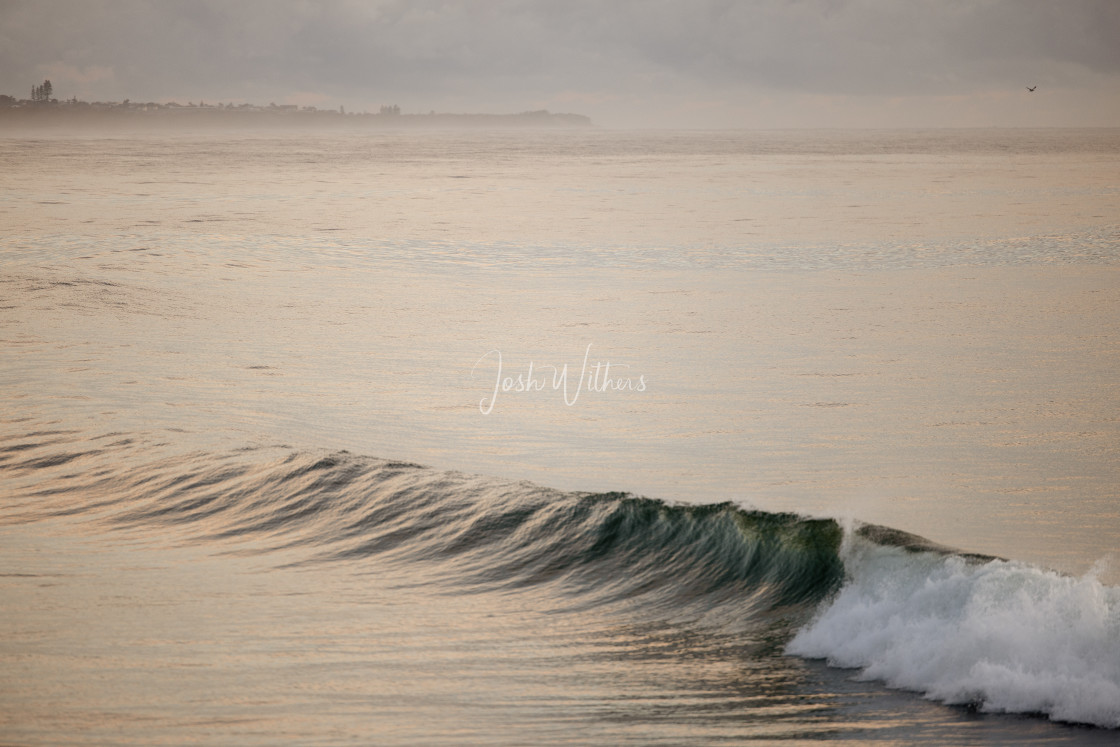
(595,377)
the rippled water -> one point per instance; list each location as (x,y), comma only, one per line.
(215,346)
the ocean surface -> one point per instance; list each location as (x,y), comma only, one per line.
(543,437)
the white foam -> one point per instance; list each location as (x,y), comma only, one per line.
(1004,636)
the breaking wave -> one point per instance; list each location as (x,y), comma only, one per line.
(983,632)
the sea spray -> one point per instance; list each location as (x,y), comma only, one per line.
(998,636)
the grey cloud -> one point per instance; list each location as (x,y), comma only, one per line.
(514,49)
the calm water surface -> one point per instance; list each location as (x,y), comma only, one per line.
(224,357)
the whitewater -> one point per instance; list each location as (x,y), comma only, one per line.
(996,636)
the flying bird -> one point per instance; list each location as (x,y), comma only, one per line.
(1031,88)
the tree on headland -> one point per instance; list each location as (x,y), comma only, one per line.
(42,93)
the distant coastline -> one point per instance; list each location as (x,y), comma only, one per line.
(74,114)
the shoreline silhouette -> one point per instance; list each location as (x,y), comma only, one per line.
(79,114)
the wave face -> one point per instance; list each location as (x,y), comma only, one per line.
(964,629)
(697,561)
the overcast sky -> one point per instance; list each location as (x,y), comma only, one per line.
(665,63)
